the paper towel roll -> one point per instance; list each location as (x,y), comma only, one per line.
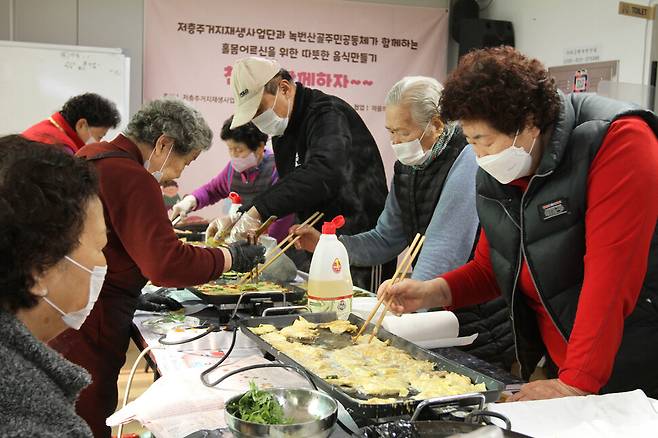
(415,327)
(426,326)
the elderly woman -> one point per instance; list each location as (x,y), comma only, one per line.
(432,193)
(250,172)
(566,196)
(160,141)
(51,271)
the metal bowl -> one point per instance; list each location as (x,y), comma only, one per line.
(313,414)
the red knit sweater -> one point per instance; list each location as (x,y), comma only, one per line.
(622,210)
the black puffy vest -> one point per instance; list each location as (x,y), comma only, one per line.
(546,225)
(418,193)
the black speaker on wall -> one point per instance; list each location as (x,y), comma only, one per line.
(478,33)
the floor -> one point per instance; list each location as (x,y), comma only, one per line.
(141,382)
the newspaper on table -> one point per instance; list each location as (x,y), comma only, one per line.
(178,404)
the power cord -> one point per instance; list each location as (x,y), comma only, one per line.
(144,352)
(209,330)
(213,367)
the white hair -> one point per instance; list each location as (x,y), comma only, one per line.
(422,93)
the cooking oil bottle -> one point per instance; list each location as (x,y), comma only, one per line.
(329,279)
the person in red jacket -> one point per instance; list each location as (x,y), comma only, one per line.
(160,141)
(82,120)
(566,196)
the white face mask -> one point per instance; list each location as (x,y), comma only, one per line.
(509,164)
(158,173)
(240,164)
(411,153)
(270,122)
(77,318)
(91,138)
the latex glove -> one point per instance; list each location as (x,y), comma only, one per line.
(216,229)
(410,295)
(244,256)
(154,302)
(545,389)
(183,207)
(245,226)
(309,237)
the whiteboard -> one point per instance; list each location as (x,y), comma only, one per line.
(36,80)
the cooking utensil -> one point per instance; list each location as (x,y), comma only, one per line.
(312,412)
(292,293)
(383,296)
(403,272)
(354,403)
(291,239)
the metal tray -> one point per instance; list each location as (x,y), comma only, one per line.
(355,406)
(292,293)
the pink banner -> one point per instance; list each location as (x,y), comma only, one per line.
(353,50)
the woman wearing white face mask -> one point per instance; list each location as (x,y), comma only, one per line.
(161,139)
(51,271)
(432,193)
(250,172)
(566,196)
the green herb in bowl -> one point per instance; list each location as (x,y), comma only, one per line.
(258,406)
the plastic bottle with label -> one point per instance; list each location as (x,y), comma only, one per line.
(329,279)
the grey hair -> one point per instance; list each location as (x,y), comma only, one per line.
(175,119)
(422,93)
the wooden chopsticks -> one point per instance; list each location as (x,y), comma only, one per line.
(289,241)
(399,274)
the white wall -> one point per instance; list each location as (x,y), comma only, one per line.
(544,28)
(98,23)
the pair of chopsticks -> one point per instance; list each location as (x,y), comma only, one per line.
(400,273)
(289,241)
(253,238)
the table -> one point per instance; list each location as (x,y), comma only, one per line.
(169,361)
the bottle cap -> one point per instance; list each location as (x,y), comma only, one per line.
(331,227)
(235,198)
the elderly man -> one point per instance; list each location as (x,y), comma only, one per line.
(432,193)
(82,120)
(161,140)
(327,159)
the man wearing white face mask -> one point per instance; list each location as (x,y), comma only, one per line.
(327,159)
(52,269)
(83,119)
(250,172)
(432,193)
(566,197)
(162,138)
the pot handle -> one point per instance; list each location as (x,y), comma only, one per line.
(472,398)
(474,417)
(274,310)
(298,370)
